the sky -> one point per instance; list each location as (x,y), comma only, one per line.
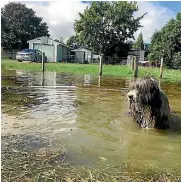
(60,15)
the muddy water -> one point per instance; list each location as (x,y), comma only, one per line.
(89,118)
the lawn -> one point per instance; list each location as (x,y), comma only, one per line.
(108,70)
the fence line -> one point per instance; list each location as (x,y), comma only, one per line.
(115,60)
(8,54)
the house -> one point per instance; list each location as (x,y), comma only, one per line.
(82,55)
(138,53)
(55,51)
(96,58)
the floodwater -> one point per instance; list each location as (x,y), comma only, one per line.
(89,118)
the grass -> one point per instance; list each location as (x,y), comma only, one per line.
(108,70)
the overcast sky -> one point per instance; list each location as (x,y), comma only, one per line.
(60,15)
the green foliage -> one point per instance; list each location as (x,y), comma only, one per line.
(106,26)
(139,44)
(20,24)
(166,43)
(177,59)
(73,42)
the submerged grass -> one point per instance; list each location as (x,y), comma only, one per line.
(14,99)
(27,158)
(109,70)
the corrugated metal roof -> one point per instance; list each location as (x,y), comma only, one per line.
(80,50)
(55,41)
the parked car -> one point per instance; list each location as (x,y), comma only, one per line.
(33,55)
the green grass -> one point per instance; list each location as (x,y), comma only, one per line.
(108,70)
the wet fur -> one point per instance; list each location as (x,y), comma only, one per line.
(148,104)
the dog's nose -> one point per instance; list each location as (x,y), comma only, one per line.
(130,96)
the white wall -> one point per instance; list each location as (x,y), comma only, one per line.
(142,55)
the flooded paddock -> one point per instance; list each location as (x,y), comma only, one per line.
(88,118)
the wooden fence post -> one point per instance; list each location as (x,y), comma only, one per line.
(43,61)
(100,65)
(159,83)
(99,81)
(132,63)
(43,78)
(161,68)
(135,66)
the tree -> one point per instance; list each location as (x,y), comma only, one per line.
(73,42)
(61,40)
(20,24)
(166,43)
(107,26)
(139,44)
(155,47)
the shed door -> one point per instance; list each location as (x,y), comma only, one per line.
(47,49)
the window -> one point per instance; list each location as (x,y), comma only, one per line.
(27,50)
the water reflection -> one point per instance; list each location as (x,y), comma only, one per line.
(87,114)
(87,80)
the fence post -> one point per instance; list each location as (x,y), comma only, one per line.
(129,59)
(43,78)
(159,83)
(161,68)
(135,66)
(99,81)
(43,61)
(132,63)
(100,65)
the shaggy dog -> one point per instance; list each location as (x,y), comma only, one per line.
(148,104)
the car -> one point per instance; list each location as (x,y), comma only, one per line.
(33,55)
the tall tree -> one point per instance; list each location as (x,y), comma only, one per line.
(166,43)
(20,24)
(155,47)
(139,44)
(107,25)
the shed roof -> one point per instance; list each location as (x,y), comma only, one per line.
(55,41)
(80,50)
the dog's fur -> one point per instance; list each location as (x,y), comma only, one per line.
(148,104)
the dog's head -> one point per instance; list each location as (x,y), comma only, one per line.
(143,93)
(148,104)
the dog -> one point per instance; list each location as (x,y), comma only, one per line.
(149,105)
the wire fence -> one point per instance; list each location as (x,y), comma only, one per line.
(115,60)
(9,54)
